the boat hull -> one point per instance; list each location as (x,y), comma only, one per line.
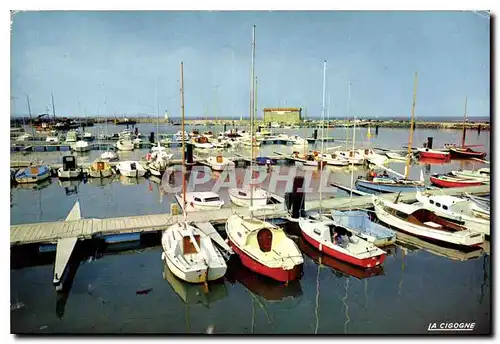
(461,154)
(453,184)
(364,263)
(425,233)
(364,185)
(435,155)
(69,174)
(277,273)
(197,276)
(22,177)
(100,173)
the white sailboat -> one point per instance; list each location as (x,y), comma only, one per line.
(262,247)
(187,251)
(335,241)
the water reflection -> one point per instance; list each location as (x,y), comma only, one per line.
(261,286)
(101,182)
(35,186)
(339,268)
(409,242)
(132,181)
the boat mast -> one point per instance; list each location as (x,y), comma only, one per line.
(31,122)
(465,119)
(157,115)
(353,143)
(53,107)
(252,134)
(322,138)
(348,116)
(183,145)
(412,123)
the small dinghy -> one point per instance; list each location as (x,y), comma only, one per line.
(191,255)
(395,156)
(340,243)
(220,163)
(100,169)
(466,153)
(264,248)
(360,224)
(69,170)
(418,221)
(32,174)
(131,169)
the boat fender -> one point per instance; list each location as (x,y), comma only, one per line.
(320,247)
(163,256)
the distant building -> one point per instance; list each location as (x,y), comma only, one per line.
(282,115)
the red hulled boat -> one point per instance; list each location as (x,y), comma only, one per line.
(461,153)
(428,153)
(453,182)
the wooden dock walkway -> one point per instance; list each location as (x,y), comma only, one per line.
(50,232)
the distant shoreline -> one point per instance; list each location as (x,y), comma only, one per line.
(473,123)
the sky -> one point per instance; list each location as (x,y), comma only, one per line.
(128,63)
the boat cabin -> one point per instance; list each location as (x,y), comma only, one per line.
(69,163)
(188,246)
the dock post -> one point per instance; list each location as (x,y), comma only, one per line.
(315,134)
(429,142)
(479,129)
(376,130)
(189,153)
(225,126)
(152,137)
(297,197)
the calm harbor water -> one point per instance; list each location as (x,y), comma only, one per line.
(419,283)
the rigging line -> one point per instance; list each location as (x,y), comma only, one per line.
(344,299)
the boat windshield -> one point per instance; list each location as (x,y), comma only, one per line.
(212,199)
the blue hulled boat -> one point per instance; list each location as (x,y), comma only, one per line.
(359,223)
(32,174)
(387,184)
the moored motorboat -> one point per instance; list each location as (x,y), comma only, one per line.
(131,169)
(81,146)
(204,200)
(125,145)
(69,170)
(191,255)
(32,174)
(220,163)
(100,169)
(359,223)
(109,156)
(418,221)
(447,181)
(458,209)
(243,196)
(264,248)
